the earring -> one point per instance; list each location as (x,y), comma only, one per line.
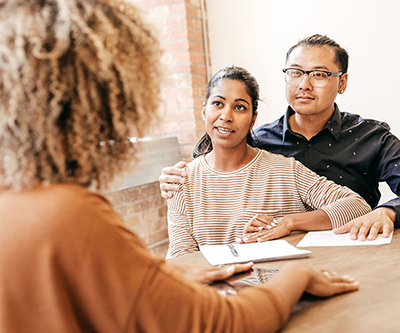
(341,91)
(204,117)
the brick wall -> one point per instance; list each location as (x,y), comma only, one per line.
(180,28)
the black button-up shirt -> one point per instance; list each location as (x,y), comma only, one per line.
(352,151)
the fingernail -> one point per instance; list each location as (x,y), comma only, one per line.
(245,239)
(269,227)
(260,228)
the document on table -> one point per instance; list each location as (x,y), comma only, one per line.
(328,238)
(255,252)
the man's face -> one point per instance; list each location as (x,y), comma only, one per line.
(305,99)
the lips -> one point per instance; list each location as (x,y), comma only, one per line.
(224,130)
(304,97)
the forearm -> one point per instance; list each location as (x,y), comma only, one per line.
(314,220)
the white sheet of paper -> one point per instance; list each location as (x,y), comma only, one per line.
(267,251)
(328,238)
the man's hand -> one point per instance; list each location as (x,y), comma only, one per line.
(203,274)
(170,179)
(368,226)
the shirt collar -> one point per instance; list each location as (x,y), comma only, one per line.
(333,125)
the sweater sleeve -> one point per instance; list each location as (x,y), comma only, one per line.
(170,303)
(339,202)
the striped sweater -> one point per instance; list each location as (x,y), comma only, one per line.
(212,207)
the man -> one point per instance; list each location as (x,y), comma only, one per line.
(347,149)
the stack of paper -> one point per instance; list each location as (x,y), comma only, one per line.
(255,252)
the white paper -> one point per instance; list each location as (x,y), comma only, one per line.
(266,251)
(328,238)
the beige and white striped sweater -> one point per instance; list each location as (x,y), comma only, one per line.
(213,207)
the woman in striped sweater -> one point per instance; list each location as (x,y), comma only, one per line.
(230,181)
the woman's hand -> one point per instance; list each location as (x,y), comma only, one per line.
(325,283)
(262,228)
(205,274)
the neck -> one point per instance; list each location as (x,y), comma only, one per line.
(226,160)
(308,126)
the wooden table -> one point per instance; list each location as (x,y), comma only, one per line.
(374,308)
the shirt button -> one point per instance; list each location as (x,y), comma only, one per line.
(330,145)
(350,131)
(309,145)
(354,153)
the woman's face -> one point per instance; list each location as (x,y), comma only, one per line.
(228,114)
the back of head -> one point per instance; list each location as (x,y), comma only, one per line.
(342,57)
(77,77)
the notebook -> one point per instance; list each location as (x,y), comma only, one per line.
(255,252)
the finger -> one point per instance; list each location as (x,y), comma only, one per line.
(166,194)
(171,179)
(239,268)
(344,228)
(387,229)
(250,229)
(263,218)
(219,273)
(169,187)
(363,232)
(373,232)
(344,287)
(354,231)
(180,164)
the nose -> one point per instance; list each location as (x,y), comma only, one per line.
(226,114)
(305,83)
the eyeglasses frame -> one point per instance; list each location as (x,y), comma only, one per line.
(337,74)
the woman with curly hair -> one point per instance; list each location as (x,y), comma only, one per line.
(76,78)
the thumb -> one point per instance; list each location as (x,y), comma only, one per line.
(344,228)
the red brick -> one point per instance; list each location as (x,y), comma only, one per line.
(132,194)
(157,236)
(140,206)
(116,198)
(150,190)
(193,11)
(125,210)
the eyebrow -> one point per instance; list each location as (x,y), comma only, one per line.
(314,68)
(236,100)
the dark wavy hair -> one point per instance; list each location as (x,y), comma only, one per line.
(204,145)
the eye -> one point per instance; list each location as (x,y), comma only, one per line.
(294,73)
(216,103)
(319,75)
(241,107)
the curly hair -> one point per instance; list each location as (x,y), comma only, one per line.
(77,77)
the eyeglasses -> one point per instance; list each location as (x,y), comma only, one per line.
(318,78)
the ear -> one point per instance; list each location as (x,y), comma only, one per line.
(253,120)
(343,83)
(203,112)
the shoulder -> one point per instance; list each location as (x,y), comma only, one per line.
(351,120)
(274,127)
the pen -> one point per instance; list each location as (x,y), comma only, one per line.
(233,250)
